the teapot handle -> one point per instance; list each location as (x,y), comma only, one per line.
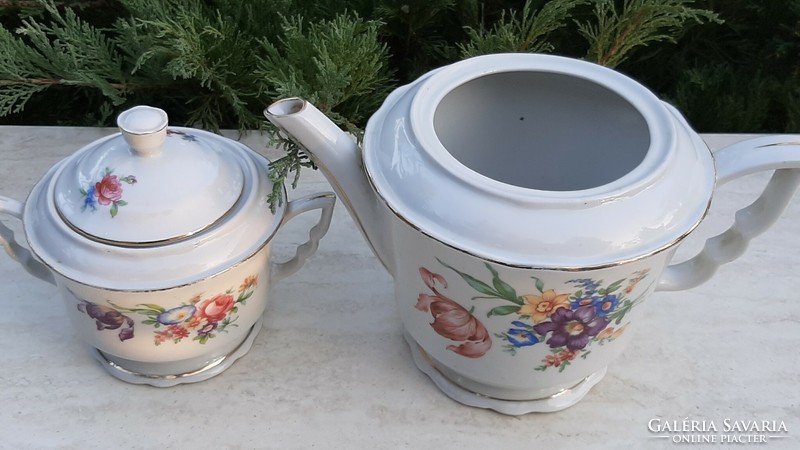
(325,202)
(17,252)
(778,153)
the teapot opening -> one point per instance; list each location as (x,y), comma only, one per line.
(542,130)
(286,106)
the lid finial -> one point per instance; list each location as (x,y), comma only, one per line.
(144,129)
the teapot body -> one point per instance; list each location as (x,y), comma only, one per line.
(536,202)
(542,337)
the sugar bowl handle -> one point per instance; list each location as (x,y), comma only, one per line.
(17,252)
(324,202)
(778,153)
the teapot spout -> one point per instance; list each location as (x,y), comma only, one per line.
(338,156)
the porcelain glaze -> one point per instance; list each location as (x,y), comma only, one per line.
(158,239)
(527,206)
(509,153)
(116,190)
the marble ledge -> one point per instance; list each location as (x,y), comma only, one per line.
(330,368)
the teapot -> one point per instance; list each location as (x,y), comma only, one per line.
(526,207)
(158,239)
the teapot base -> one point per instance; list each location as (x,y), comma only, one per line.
(178,372)
(562,399)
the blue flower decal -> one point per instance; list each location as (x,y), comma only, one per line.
(176,315)
(521,338)
(589,286)
(185,136)
(602,305)
(88,199)
(607,305)
(584,301)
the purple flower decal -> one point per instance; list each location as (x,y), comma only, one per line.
(569,318)
(572,328)
(206,330)
(108,318)
(206,319)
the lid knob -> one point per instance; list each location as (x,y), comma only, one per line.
(144,129)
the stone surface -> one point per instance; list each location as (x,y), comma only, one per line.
(330,368)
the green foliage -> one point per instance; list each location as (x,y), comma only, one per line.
(421,33)
(730,65)
(526,33)
(204,48)
(336,64)
(616,32)
(211,64)
(742,75)
(738,100)
(64,51)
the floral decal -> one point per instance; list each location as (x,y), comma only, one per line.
(106,192)
(108,318)
(451,320)
(569,323)
(184,136)
(205,318)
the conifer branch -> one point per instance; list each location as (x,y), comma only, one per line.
(52,81)
(526,33)
(615,33)
(218,63)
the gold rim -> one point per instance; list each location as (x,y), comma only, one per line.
(235,265)
(220,359)
(149,244)
(562,391)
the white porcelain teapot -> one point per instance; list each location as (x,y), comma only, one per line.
(526,206)
(158,239)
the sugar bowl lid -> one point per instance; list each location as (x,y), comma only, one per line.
(152,207)
(149,184)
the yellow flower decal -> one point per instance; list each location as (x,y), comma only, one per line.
(540,307)
(569,324)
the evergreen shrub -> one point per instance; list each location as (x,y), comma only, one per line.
(728,65)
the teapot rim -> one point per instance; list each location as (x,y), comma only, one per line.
(530,228)
(661,129)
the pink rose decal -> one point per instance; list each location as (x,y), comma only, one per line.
(451,320)
(197,319)
(216,308)
(108,190)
